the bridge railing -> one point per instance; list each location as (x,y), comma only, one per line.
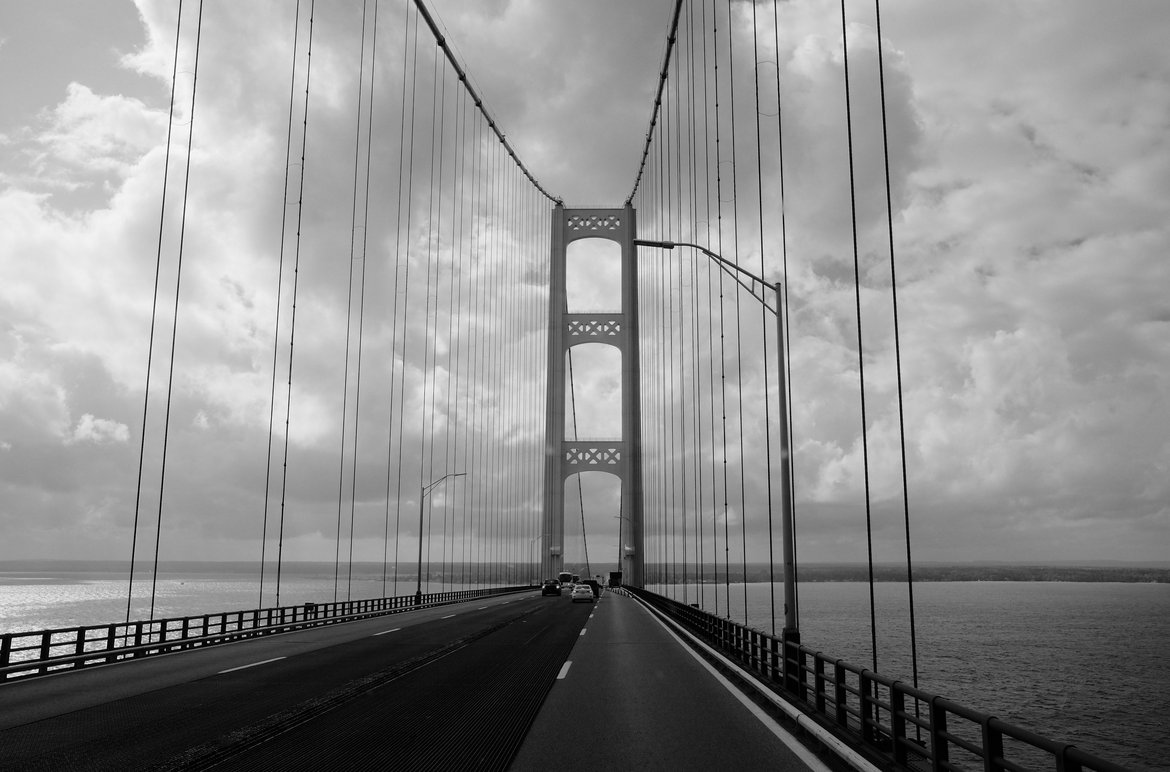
(44,651)
(886,720)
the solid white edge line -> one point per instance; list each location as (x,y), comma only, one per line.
(396,629)
(254,664)
(842,750)
(564,669)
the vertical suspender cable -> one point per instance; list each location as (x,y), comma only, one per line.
(454,329)
(393,323)
(764,325)
(349,309)
(279,291)
(722,317)
(426,460)
(897,348)
(710,316)
(743,504)
(296,275)
(293,319)
(696,347)
(787,363)
(452,309)
(405,235)
(362,292)
(154,311)
(175,318)
(860,348)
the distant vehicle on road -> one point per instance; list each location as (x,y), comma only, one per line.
(564,577)
(583,593)
(550,587)
(594,585)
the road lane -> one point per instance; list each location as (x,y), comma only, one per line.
(635,698)
(112,726)
(32,699)
(469,710)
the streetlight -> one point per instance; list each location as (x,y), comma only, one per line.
(422,495)
(628,552)
(531,553)
(790,632)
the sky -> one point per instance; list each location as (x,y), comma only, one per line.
(1031,171)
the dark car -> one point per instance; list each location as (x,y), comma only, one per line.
(550,587)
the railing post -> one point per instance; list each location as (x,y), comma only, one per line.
(992,744)
(80,648)
(868,717)
(839,695)
(898,721)
(5,649)
(939,746)
(1064,763)
(819,684)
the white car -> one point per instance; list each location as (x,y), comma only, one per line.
(582,592)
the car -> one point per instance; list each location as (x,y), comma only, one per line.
(582,592)
(550,587)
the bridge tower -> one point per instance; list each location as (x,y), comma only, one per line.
(621,457)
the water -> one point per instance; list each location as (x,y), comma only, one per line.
(1080,662)
(50,599)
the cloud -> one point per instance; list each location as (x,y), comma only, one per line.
(98,431)
(1029,169)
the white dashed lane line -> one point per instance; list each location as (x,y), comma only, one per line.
(396,629)
(448,616)
(564,670)
(254,664)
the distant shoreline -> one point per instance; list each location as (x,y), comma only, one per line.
(755,572)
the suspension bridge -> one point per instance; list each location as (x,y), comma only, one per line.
(515,387)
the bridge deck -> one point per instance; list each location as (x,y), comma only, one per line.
(470,685)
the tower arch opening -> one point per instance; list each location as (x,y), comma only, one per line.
(594,397)
(593,275)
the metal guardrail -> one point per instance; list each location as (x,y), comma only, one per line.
(889,721)
(44,651)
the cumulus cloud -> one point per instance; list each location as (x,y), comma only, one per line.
(98,431)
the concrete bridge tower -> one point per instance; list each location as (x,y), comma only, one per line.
(619,456)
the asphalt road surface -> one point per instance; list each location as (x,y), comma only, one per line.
(454,687)
(519,682)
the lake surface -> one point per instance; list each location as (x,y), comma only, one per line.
(1080,662)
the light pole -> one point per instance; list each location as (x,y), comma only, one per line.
(422,495)
(531,552)
(790,633)
(622,555)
